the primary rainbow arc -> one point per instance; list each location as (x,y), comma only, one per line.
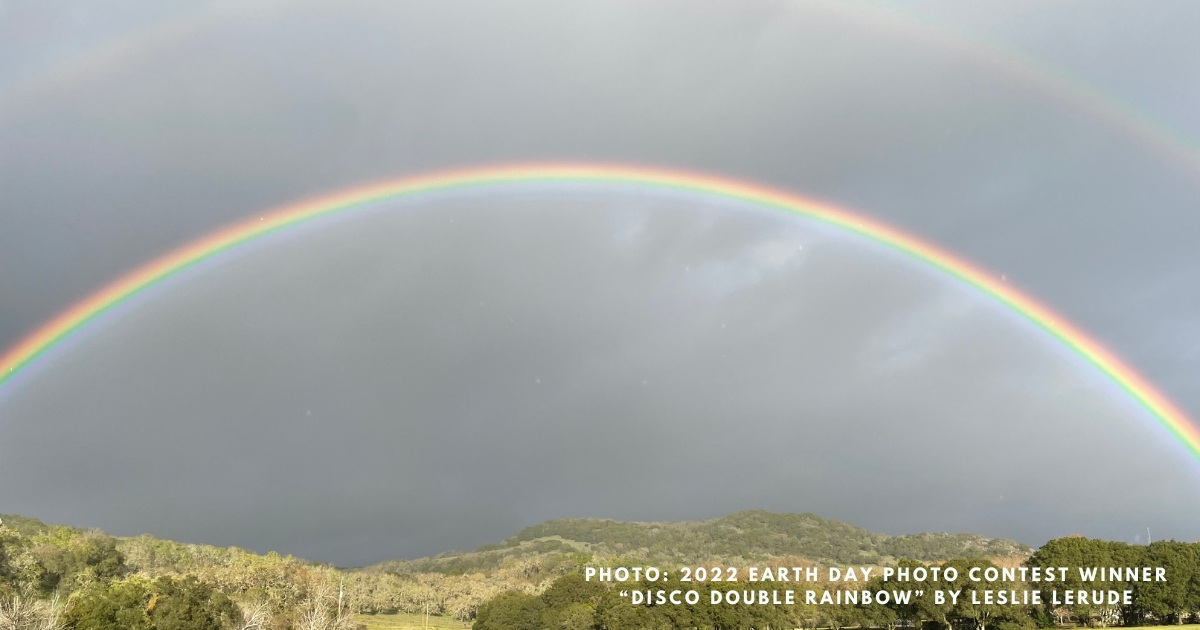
(35,346)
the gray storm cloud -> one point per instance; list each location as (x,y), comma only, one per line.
(439,373)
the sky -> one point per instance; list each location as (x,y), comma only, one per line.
(440,372)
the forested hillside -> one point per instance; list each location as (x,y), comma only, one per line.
(60,577)
(734,539)
(89,571)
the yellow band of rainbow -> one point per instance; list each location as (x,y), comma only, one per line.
(78,316)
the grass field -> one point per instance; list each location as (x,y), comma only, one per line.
(403,621)
(1186,626)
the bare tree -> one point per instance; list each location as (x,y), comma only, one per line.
(255,616)
(23,611)
(326,609)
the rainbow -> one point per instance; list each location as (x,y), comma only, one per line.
(71,321)
(1069,92)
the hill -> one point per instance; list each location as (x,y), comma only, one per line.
(735,539)
(61,560)
(25,525)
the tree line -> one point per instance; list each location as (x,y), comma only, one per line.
(63,578)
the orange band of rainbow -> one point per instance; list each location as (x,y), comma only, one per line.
(78,316)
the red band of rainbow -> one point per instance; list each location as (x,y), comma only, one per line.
(78,316)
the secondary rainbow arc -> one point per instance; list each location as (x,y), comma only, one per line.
(37,345)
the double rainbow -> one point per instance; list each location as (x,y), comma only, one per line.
(68,323)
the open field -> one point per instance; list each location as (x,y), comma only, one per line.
(403,621)
(1186,626)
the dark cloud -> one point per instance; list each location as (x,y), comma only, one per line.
(440,372)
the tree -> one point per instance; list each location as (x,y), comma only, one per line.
(189,604)
(980,615)
(113,606)
(256,615)
(326,609)
(512,610)
(1074,552)
(12,544)
(1173,599)
(24,611)
(570,603)
(876,615)
(572,588)
(925,607)
(65,559)
(137,604)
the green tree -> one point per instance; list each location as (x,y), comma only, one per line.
(511,610)
(1074,552)
(924,607)
(189,604)
(570,617)
(12,544)
(616,612)
(971,607)
(1172,600)
(114,606)
(65,559)
(874,614)
(570,603)
(572,588)
(137,604)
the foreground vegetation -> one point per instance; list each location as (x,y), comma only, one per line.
(405,621)
(572,603)
(59,578)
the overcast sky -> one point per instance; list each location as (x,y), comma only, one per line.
(440,372)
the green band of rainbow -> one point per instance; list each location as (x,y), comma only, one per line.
(41,341)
